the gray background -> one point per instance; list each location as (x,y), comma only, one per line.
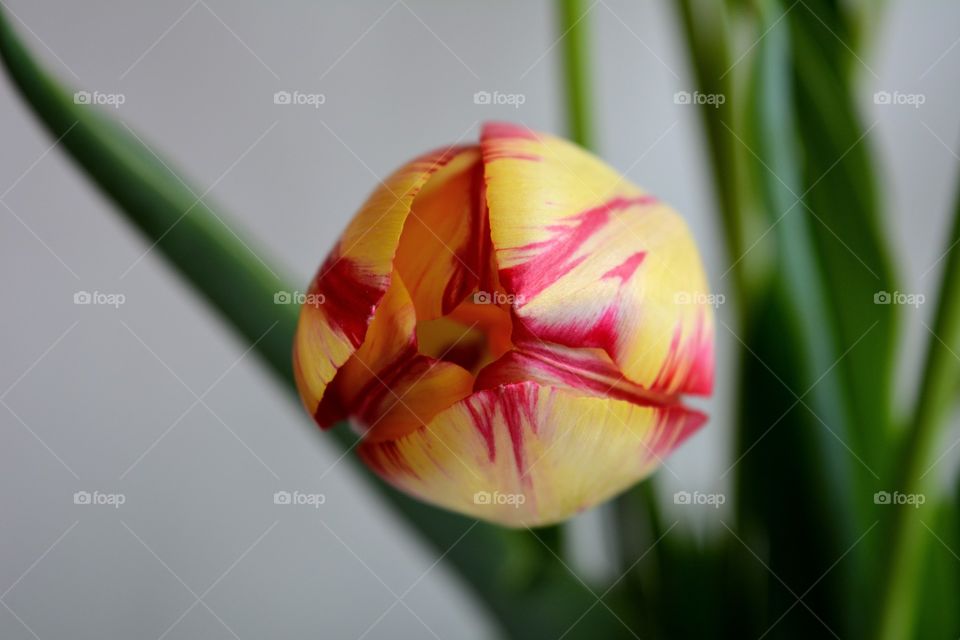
(96,398)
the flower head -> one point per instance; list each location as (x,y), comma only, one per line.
(511,327)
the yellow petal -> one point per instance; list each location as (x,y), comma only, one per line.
(387,388)
(595,262)
(586,371)
(527,455)
(445,245)
(422,388)
(355,276)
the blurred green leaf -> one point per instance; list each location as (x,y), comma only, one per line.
(708,32)
(791,475)
(840,199)
(937,613)
(901,582)
(806,482)
(841,203)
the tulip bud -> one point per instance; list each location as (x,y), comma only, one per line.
(511,326)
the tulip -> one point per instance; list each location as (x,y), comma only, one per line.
(511,328)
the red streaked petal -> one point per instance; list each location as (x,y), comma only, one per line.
(356,275)
(547,452)
(387,388)
(595,262)
(588,371)
(390,343)
(445,245)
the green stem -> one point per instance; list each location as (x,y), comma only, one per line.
(937,388)
(576,65)
(707,33)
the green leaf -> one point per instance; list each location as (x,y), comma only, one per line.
(799,481)
(184,227)
(214,259)
(840,199)
(937,612)
(915,454)
(708,31)
(840,202)
(792,477)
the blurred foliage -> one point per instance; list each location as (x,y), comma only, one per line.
(807,552)
(816,430)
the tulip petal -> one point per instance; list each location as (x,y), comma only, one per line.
(389,342)
(595,262)
(445,245)
(355,277)
(422,388)
(387,388)
(588,371)
(526,455)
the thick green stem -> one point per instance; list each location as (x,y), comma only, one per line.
(707,33)
(576,65)
(937,391)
